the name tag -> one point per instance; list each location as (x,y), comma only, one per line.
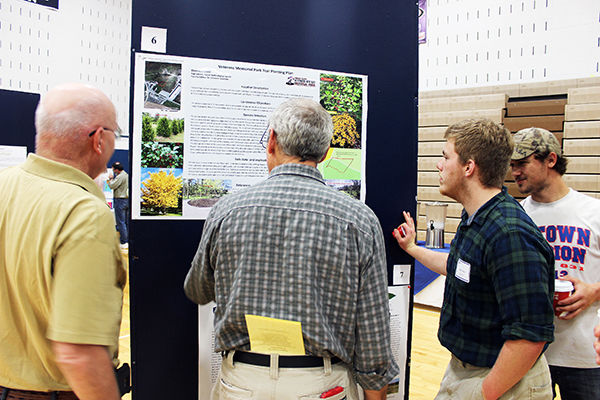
(463,271)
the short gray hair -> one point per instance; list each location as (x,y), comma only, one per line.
(70,125)
(64,123)
(303,128)
(69,121)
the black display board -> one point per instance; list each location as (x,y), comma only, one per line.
(18,122)
(374,38)
(18,114)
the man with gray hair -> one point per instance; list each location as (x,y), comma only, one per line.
(291,248)
(61,269)
(570,222)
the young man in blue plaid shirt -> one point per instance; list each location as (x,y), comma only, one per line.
(497,316)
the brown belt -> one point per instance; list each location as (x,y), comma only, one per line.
(16,394)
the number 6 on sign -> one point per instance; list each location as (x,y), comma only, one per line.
(154,39)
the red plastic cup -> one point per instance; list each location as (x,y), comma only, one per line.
(562,290)
(401,231)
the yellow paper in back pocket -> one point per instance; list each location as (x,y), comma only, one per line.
(275,336)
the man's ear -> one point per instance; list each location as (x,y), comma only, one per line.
(272,143)
(552,159)
(469,167)
(97,142)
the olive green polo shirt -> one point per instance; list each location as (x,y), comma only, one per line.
(61,270)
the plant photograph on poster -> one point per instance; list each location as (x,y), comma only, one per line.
(162,128)
(162,86)
(162,155)
(205,192)
(350,187)
(342,96)
(161,192)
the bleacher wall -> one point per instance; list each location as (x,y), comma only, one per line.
(568,108)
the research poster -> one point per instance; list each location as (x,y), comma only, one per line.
(200,129)
(399,304)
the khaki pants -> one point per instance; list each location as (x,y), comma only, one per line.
(463,381)
(239,381)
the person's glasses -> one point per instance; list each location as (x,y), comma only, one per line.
(117,132)
(264,138)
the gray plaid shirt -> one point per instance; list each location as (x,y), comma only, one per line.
(292,248)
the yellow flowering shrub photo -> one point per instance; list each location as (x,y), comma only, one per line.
(344,131)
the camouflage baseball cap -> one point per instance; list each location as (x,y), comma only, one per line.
(534,140)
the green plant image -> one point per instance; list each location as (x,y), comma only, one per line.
(161,193)
(353,189)
(204,192)
(342,96)
(163,128)
(204,188)
(176,127)
(162,155)
(341,93)
(148,132)
(345,134)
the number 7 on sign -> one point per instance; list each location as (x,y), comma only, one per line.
(401,274)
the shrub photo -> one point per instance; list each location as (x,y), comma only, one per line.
(350,187)
(205,192)
(161,128)
(345,134)
(161,192)
(341,96)
(162,155)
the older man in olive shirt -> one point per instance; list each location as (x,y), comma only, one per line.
(61,271)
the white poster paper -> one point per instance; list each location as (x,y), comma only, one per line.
(12,155)
(209,362)
(399,302)
(200,127)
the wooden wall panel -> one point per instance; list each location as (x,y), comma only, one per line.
(584,165)
(582,112)
(582,129)
(584,95)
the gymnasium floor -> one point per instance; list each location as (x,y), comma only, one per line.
(428,357)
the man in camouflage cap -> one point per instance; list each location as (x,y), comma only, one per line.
(534,140)
(570,221)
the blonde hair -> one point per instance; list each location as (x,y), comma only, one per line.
(488,144)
